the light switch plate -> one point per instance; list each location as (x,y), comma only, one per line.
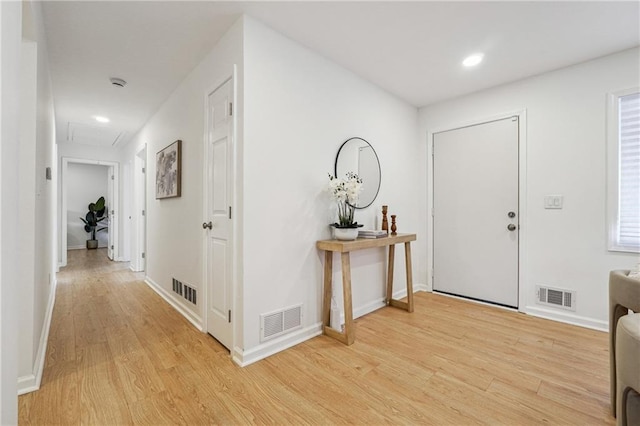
(553,201)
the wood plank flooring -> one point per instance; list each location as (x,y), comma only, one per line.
(118,354)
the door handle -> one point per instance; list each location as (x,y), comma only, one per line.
(511,227)
(206,225)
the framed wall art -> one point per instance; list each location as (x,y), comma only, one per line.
(168,171)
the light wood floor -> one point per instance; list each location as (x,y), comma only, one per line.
(118,354)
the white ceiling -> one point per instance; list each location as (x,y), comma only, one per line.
(411,49)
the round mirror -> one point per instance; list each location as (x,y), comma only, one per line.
(358,156)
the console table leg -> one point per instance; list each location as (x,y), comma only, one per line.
(349,331)
(392,250)
(407,257)
(328,282)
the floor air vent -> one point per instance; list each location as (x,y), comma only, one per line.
(557,297)
(280,322)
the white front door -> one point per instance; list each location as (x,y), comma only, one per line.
(475,215)
(218,217)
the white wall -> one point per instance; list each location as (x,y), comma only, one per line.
(10,39)
(299,108)
(36,201)
(565,114)
(85,184)
(174,225)
(27,204)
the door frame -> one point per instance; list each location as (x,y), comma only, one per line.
(114,225)
(236,322)
(522,193)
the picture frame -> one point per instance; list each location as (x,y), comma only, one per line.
(169,171)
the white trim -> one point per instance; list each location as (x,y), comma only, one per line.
(32,381)
(567,318)
(271,347)
(264,350)
(236,320)
(522,191)
(116,207)
(168,297)
(613,144)
(85,248)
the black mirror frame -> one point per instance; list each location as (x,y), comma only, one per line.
(335,168)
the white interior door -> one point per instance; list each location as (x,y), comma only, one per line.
(218,218)
(139,262)
(475,222)
(111,211)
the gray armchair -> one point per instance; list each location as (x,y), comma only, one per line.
(624,294)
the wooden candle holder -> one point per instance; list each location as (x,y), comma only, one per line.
(394,228)
(385,223)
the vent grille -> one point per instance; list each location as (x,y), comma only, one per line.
(559,298)
(277,323)
(185,290)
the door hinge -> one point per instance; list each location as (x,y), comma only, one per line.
(111,247)
(230,108)
(143,170)
(143,255)
(229,212)
(113,212)
(112,177)
(229,315)
(142,212)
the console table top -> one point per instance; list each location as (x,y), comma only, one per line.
(363,243)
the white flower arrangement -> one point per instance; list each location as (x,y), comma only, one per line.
(345,192)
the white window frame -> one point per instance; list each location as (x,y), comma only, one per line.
(613,169)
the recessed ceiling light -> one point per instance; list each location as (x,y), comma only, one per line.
(101,119)
(473,60)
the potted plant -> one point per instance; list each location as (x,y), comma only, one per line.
(94,216)
(345,192)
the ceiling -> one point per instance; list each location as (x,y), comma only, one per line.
(410,49)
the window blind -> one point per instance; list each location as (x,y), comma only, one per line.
(629,171)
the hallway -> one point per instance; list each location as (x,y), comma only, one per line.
(118,354)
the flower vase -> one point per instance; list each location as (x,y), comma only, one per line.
(345,234)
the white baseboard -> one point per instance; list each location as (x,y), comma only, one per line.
(83,247)
(31,382)
(567,318)
(246,357)
(168,297)
(264,350)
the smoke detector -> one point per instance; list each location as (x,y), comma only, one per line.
(118,82)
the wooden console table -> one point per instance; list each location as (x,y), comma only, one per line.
(344,248)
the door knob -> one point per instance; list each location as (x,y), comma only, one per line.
(206,225)
(511,227)
(511,214)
